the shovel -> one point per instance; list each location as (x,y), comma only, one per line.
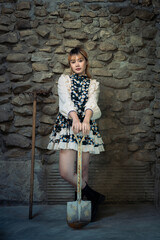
(79,212)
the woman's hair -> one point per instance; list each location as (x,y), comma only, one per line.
(76,51)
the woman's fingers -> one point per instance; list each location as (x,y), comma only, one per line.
(76,127)
(85,128)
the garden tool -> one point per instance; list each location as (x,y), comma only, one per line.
(35,93)
(79,211)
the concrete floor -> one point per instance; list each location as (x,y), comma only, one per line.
(114,222)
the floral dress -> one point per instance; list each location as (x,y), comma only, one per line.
(62,136)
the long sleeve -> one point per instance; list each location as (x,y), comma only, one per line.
(93,99)
(66,105)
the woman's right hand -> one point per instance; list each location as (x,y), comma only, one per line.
(76,126)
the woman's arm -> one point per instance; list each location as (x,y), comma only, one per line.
(76,124)
(93,99)
(86,122)
(66,105)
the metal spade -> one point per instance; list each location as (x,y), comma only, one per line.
(79,211)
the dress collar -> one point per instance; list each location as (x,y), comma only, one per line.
(79,77)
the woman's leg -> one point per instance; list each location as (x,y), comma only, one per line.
(67,159)
(85,167)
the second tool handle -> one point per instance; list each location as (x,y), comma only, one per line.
(79,168)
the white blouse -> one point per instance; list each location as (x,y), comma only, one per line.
(66,105)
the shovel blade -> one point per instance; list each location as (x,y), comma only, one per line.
(78,212)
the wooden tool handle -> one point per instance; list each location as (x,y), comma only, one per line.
(79,168)
(33,156)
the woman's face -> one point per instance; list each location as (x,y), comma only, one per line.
(78,64)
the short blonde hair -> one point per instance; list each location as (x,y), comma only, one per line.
(76,51)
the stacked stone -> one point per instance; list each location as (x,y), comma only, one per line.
(122,40)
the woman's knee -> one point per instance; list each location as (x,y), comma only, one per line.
(84,170)
(66,163)
(64,173)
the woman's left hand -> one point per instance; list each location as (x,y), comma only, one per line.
(85,127)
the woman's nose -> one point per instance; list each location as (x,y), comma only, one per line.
(77,63)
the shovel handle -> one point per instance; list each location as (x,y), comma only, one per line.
(79,142)
(79,167)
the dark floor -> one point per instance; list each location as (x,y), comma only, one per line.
(122,222)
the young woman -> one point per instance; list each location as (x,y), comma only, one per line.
(78,109)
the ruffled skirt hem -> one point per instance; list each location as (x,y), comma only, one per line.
(95,146)
(74,146)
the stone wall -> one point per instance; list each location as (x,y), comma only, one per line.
(122,39)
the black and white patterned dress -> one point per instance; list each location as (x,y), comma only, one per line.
(62,136)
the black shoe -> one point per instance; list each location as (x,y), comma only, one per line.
(75,196)
(92,195)
(95,198)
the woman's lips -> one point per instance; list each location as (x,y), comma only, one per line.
(78,69)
